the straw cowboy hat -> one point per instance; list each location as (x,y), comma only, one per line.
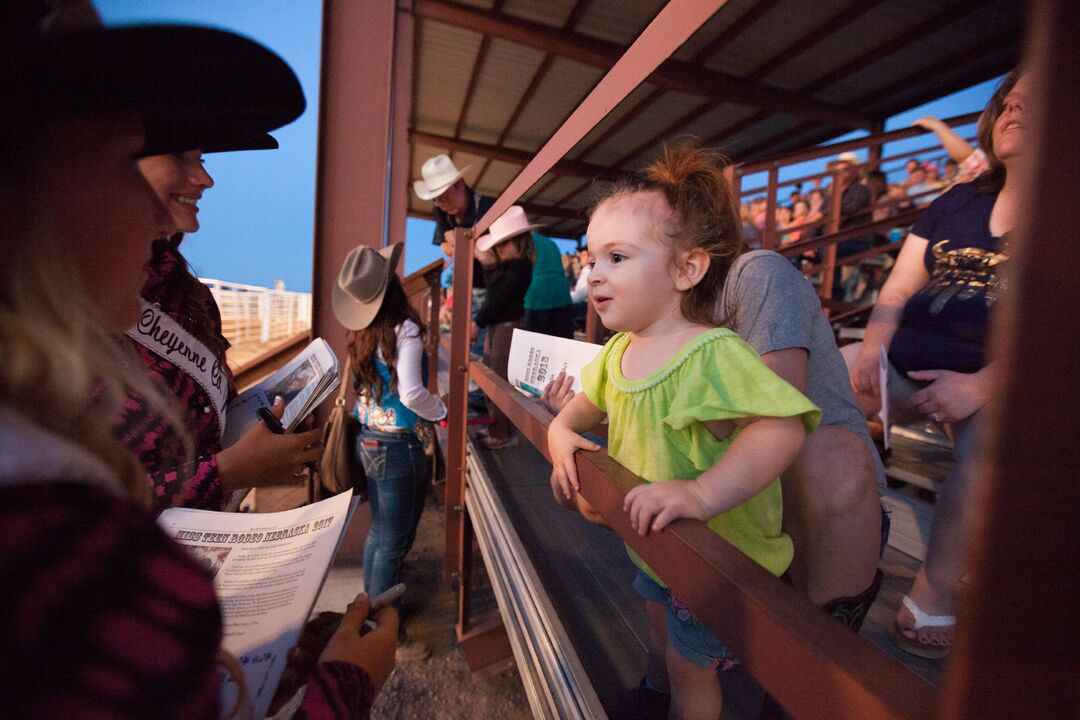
(513,222)
(439,174)
(362,283)
(231,90)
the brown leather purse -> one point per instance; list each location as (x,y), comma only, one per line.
(339,467)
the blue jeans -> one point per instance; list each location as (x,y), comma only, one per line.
(690,638)
(398,473)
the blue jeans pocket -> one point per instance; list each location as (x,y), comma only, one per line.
(374,461)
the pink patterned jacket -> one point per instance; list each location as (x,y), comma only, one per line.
(174,480)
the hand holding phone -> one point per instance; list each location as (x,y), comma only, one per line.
(271,421)
(383,599)
(374,650)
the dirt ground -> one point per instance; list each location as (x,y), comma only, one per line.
(439,688)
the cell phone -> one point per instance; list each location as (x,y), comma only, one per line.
(270,421)
(380,601)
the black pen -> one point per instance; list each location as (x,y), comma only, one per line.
(270,421)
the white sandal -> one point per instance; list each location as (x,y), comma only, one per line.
(922,620)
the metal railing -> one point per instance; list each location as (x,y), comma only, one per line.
(859,225)
(254,314)
(422,289)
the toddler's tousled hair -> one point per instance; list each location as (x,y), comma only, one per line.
(692,182)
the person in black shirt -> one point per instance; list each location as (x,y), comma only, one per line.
(456,204)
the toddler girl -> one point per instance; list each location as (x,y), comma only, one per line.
(691,407)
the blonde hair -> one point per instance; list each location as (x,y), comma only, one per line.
(61,365)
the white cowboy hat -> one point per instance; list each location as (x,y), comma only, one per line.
(439,174)
(362,283)
(848,157)
(512,222)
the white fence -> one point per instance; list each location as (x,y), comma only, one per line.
(253,314)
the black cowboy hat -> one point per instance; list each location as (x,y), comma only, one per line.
(265,141)
(226,91)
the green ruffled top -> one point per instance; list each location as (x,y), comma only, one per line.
(656,427)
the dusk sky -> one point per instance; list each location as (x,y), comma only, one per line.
(258,219)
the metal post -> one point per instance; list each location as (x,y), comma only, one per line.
(402,81)
(836,196)
(873,160)
(264,317)
(734,177)
(770,235)
(354,146)
(457,413)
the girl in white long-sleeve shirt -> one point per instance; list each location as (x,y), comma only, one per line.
(396,412)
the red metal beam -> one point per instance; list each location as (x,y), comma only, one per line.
(744,21)
(857,144)
(510,155)
(1024,576)
(747,19)
(355,130)
(535,210)
(651,142)
(456,552)
(672,74)
(672,26)
(402,87)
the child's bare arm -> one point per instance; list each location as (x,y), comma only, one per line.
(564,439)
(762,450)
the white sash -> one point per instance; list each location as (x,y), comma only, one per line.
(164,337)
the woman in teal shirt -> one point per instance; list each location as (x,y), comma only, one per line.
(548,308)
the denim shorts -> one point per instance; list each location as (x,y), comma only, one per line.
(690,638)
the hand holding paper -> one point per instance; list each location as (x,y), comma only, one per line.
(558,393)
(537,359)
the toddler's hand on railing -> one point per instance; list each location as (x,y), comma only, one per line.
(562,444)
(559,490)
(652,506)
